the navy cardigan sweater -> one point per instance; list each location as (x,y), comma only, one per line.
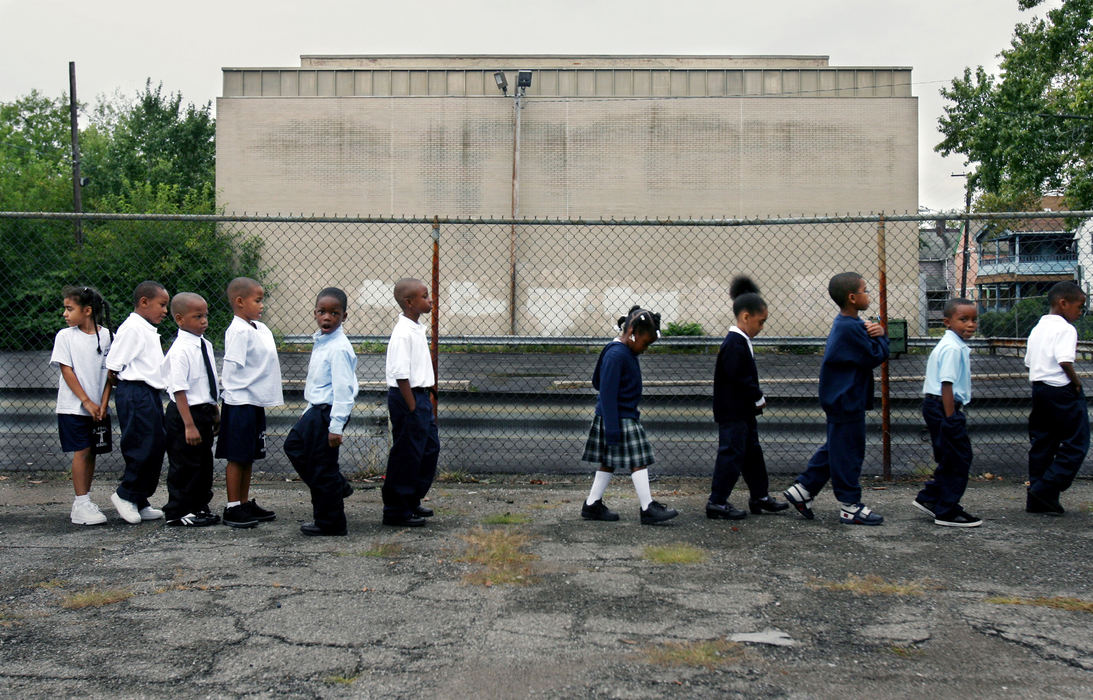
(846,375)
(618,379)
(735,381)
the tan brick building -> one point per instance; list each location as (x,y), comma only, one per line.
(600,137)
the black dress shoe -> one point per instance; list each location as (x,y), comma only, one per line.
(724,512)
(767,504)
(423,512)
(347,490)
(404,521)
(313,530)
(1041,503)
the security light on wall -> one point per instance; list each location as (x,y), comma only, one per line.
(502,82)
(523,80)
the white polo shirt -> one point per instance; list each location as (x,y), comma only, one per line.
(408,355)
(252,372)
(1052,341)
(184,369)
(136,354)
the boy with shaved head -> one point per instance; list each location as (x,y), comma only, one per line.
(192,416)
(415,445)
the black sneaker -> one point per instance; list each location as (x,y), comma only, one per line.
(194,520)
(209,514)
(598,511)
(1041,503)
(958,518)
(239,516)
(766,504)
(927,507)
(657,513)
(260,514)
(717,511)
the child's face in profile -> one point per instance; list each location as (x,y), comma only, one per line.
(418,301)
(250,307)
(1071,309)
(641,341)
(194,319)
(75,315)
(329,314)
(154,309)
(860,299)
(751,323)
(964,321)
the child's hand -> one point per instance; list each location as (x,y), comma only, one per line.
(103,410)
(875,330)
(216,423)
(193,437)
(333,439)
(91,407)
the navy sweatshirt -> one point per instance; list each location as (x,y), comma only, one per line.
(735,381)
(846,375)
(618,379)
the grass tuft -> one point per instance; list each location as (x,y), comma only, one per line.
(677,553)
(874,585)
(502,555)
(52,583)
(1057,602)
(905,652)
(506,519)
(95,597)
(708,654)
(456,477)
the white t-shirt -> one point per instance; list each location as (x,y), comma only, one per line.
(1052,341)
(137,353)
(408,355)
(78,350)
(252,372)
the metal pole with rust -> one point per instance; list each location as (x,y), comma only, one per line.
(73,108)
(435,292)
(885,402)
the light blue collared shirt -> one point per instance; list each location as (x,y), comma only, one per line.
(332,377)
(950,361)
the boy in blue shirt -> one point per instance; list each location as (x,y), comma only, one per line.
(854,347)
(947,389)
(313,443)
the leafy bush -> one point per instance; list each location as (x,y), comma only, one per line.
(1018,322)
(684,329)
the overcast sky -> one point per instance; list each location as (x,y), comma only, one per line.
(118,43)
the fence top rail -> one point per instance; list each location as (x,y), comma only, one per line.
(508,221)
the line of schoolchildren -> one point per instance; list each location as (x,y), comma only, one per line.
(92,361)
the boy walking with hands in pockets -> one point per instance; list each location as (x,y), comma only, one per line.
(415,445)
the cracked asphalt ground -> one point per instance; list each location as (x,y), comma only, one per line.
(386,612)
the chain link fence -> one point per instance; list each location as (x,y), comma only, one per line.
(525,306)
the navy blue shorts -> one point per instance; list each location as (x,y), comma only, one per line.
(242,433)
(80,432)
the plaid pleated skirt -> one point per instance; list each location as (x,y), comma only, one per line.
(634,451)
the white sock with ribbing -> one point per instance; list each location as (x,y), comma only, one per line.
(641,485)
(599,485)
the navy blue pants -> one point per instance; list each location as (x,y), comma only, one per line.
(1058,430)
(143,440)
(189,467)
(308,448)
(839,459)
(415,447)
(738,453)
(952,453)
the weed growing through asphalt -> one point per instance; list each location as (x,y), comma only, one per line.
(506,519)
(455,477)
(378,550)
(1058,602)
(708,654)
(677,553)
(52,583)
(95,597)
(873,585)
(501,554)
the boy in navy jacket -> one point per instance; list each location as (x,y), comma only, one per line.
(854,348)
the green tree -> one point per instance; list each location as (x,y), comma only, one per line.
(1029,132)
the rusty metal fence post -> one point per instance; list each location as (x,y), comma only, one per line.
(885,379)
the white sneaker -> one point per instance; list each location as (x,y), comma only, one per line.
(127,510)
(150,513)
(87,513)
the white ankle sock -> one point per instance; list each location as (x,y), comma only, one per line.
(86,498)
(233,504)
(641,485)
(599,485)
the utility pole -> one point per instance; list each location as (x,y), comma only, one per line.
(77,199)
(964,256)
